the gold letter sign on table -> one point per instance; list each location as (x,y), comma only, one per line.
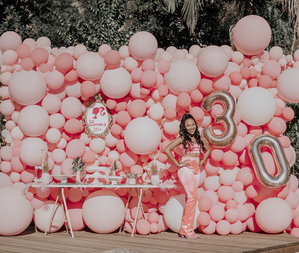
(96,117)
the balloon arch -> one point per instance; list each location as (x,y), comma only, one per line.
(123,107)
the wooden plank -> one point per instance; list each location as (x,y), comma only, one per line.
(88,241)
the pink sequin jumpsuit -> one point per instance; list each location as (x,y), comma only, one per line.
(189,177)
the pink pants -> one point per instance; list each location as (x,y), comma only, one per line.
(189,177)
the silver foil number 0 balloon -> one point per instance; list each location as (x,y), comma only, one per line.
(226,119)
(257,161)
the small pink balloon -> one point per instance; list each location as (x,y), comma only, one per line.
(64,62)
(217,212)
(10,57)
(184,100)
(203,219)
(277,126)
(148,78)
(89,157)
(123,118)
(163,66)
(231,215)
(90,66)
(55,79)
(137,108)
(71,107)
(51,103)
(112,59)
(223,227)
(39,55)
(143,227)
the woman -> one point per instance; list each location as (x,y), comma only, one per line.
(189,168)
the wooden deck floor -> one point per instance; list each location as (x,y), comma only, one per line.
(166,242)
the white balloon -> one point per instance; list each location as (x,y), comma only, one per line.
(257,106)
(182,76)
(174,210)
(142,135)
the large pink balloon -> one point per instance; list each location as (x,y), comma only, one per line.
(9,40)
(182,76)
(15,211)
(273,209)
(288,85)
(116,83)
(103,211)
(33,120)
(31,151)
(27,87)
(75,148)
(212,61)
(143,45)
(142,135)
(246,32)
(90,66)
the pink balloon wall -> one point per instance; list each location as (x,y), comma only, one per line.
(147,89)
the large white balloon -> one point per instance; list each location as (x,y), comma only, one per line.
(257,106)
(31,151)
(103,211)
(288,85)
(15,211)
(142,135)
(174,210)
(182,76)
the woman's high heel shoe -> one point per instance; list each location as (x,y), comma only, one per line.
(191,236)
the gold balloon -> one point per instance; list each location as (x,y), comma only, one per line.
(226,119)
(257,161)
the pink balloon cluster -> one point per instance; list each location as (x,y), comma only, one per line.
(147,89)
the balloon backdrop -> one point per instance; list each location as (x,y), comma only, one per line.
(238,99)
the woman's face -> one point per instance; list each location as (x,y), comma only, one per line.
(190,126)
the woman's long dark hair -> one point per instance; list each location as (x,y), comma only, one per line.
(184,134)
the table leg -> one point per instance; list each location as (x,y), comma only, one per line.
(136,216)
(66,212)
(128,201)
(52,214)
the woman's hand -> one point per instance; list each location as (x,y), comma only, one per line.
(200,163)
(184,163)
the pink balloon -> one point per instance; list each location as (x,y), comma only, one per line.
(39,55)
(10,57)
(97,145)
(116,83)
(53,135)
(75,148)
(272,68)
(128,158)
(245,176)
(212,61)
(236,77)
(66,167)
(225,193)
(231,215)
(58,155)
(288,113)
(7,107)
(88,88)
(76,216)
(137,108)
(184,100)
(203,219)
(148,78)
(27,175)
(236,228)
(64,62)
(210,229)
(246,30)
(217,212)
(33,120)
(90,66)
(27,87)
(71,108)
(73,126)
(143,227)
(143,45)
(55,79)
(9,41)
(273,209)
(51,103)
(230,158)
(6,153)
(31,151)
(75,195)
(112,59)
(205,86)
(217,155)
(17,165)
(56,120)
(89,157)
(277,126)
(223,227)
(163,66)
(5,167)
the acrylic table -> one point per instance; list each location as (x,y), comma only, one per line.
(61,197)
